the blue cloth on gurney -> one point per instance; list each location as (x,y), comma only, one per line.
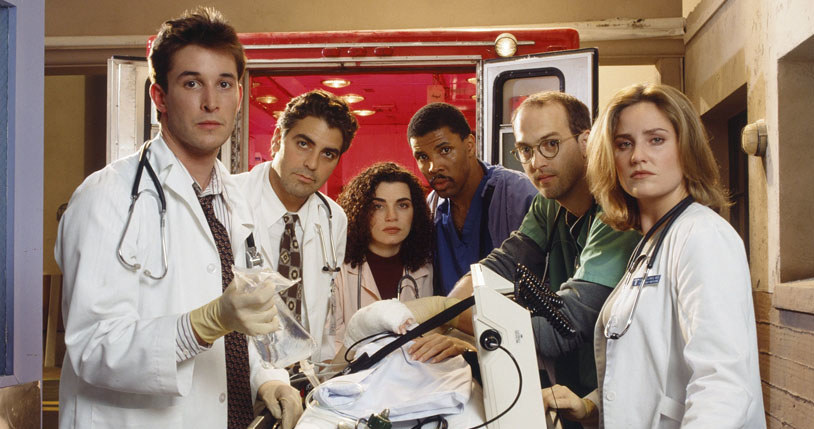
(409,389)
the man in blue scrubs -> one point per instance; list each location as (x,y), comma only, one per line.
(475,206)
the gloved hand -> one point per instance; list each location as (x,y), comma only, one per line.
(251,313)
(425,308)
(388,315)
(284,402)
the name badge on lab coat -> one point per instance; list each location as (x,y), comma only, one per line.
(649,281)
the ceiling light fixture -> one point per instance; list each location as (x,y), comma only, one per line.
(364,112)
(336,83)
(267,99)
(352,98)
(473,80)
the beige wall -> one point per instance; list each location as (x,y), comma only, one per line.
(64,153)
(741,44)
(614,78)
(74,146)
(105,17)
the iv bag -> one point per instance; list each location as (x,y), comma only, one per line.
(289,344)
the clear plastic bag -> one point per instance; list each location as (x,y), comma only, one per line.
(291,343)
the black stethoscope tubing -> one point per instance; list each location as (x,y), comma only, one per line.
(636,257)
(144,163)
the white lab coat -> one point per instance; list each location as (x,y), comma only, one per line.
(690,356)
(347,293)
(120,326)
(317,284)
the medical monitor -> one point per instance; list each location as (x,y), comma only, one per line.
(492,313)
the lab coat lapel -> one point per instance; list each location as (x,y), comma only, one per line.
(368,282)
(312,263)
(241,213)
(177,181)
(312,217)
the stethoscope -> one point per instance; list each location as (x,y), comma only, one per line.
(401,285)
(331,265)
(636,259)
(158,194)
(550,236)
(253,257)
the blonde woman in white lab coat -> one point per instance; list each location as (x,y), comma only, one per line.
(675,342)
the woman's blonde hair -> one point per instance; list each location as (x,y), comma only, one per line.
(697,163)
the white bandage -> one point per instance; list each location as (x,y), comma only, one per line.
(381,316)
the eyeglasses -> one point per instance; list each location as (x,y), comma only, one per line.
(548,148)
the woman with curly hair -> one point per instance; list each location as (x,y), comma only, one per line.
(389,244)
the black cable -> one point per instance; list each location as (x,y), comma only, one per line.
(380,335)
(519,390)
(442,422)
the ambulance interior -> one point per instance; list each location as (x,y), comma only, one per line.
(383,102)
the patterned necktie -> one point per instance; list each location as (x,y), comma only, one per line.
(290,265)
(238,388)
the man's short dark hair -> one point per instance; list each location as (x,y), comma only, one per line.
(323,105)
(579,119)
(204,27)
(435,116)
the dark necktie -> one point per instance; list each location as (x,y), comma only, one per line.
(238,387)
(290,265)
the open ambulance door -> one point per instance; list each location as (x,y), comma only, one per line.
(129,109)
(507,82)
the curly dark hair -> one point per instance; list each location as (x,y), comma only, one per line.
(357,201)
(323,105)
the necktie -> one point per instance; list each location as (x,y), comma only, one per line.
(290,265)
(238,388)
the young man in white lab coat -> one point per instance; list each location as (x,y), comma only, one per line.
(315,129)
(145,307)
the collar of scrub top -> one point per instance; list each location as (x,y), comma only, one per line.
(636,258)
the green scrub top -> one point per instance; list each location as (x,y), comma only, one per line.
(601,261)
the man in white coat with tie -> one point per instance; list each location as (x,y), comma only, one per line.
(299,230)
(154,326)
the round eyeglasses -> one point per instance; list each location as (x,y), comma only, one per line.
(548,148)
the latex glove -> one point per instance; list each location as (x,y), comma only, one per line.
(389,315)
(567,403)
(248,312)
(425,308)
(437,347)
(284,402)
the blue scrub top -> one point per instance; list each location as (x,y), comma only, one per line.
(456,252)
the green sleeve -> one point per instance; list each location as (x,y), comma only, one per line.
(535,224)
(606,252)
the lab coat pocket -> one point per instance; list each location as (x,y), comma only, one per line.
(155,412)
(669,414)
